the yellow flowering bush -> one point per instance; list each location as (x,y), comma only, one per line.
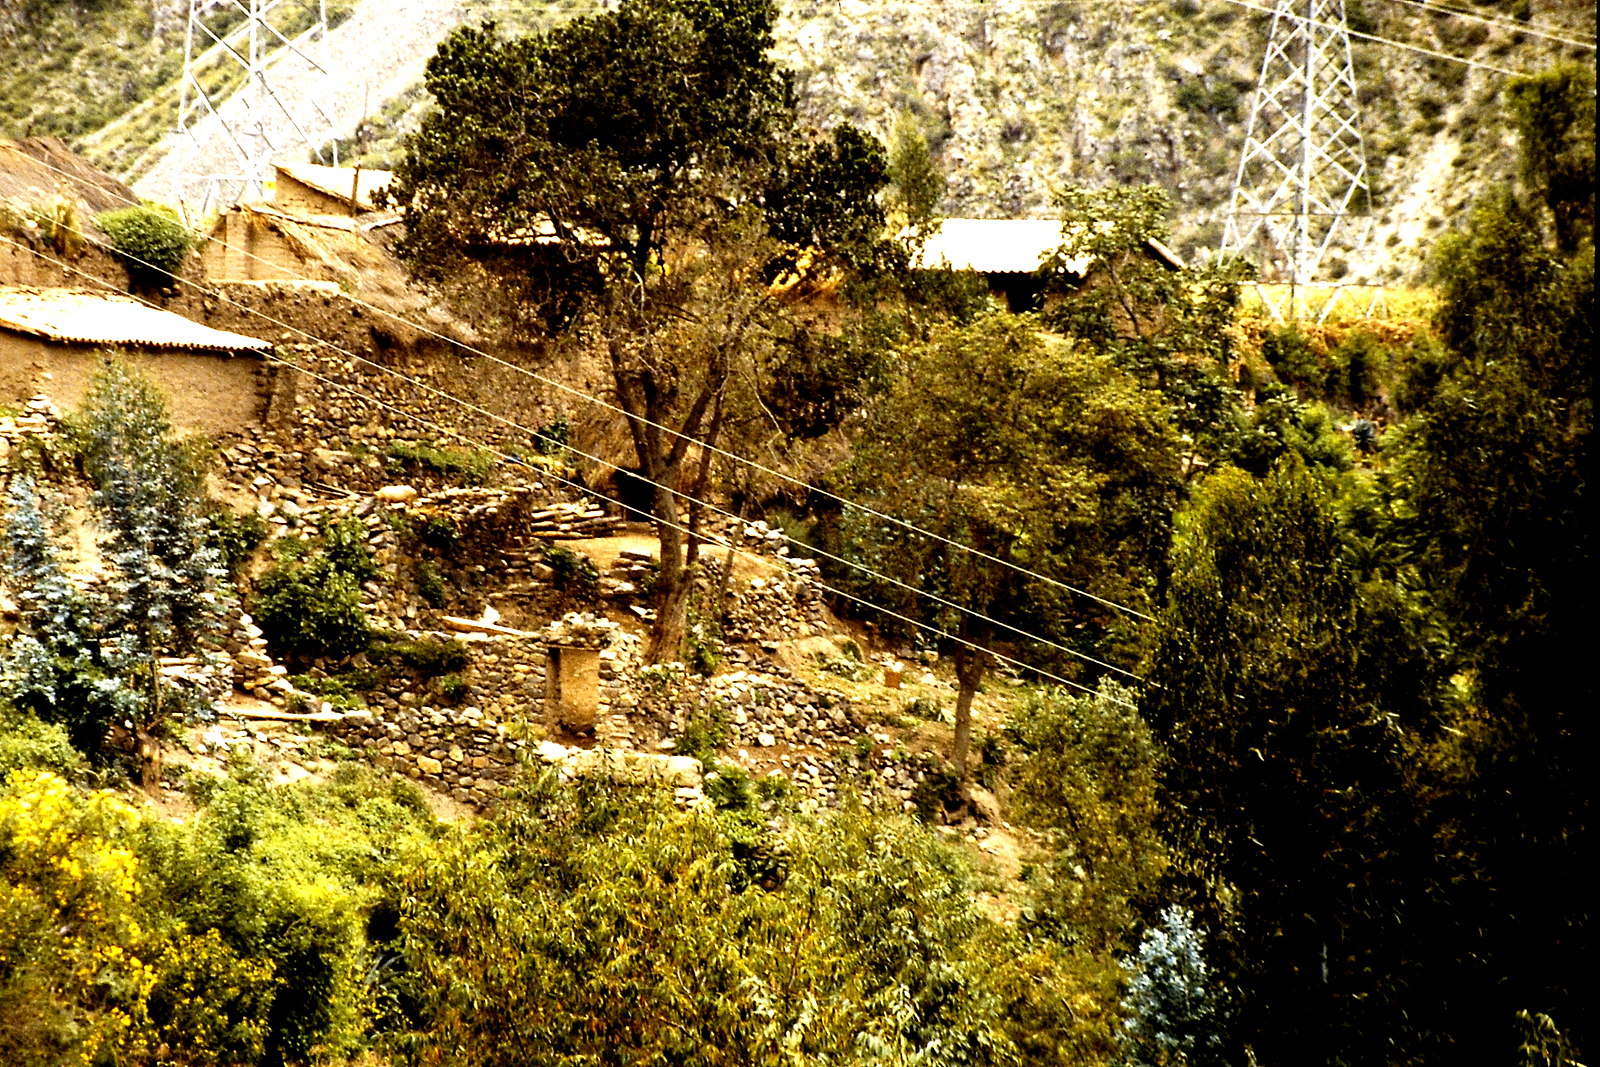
(74,970)
(209,1005)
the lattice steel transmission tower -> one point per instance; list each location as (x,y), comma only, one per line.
(1301,190)
(234,113)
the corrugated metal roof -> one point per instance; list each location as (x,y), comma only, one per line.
(991,246)
(338,181)
(1009,246)
(85,316)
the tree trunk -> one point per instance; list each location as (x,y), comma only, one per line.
(672,583)
(146,746)
(147,759)
(970,664)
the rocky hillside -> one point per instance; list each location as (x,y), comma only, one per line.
(1017,96)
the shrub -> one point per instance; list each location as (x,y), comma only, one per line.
(938,793)
(285,876)
(572,573)
(149,239)
(235,537)
(309,605)
(428,656)
(702,643)
(344,544)
(700,737)
(1294,357)
(431,585)
(72,949)
(26,743)
(1087,775)
(468,466)
(441,532)
(552,439)
(1360,358)
(54,222)
(451,688)
(311,609)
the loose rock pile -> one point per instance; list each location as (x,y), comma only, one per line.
(764,610)
(570,521)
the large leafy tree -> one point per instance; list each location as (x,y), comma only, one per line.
(1039,456)
(1286,782)
(636,176)
(1488,488)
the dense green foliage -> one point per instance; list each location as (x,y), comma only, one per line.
(1342,816)
(309,604)
(150,240)
(239,936)
(1034,454)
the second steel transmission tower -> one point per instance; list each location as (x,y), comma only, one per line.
(1301,189)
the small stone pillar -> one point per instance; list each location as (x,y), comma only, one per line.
(572,686)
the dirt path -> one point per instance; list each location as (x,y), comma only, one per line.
(375,55)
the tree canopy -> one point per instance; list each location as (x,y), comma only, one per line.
(637,177)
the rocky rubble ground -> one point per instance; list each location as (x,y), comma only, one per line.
(467,743)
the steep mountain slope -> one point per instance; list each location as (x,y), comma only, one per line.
(1018,97)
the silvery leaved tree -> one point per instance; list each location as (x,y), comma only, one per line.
(90,655)
(1173,1015)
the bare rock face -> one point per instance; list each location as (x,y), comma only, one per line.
(1018,98)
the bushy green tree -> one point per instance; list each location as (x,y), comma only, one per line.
(918,184)
(1287,788)
(1488,493)
(1034,452)
(1088,775)
(1553,112)
(636,173)
(150,239)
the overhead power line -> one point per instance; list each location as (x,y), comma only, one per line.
(1433,53)
(752,464)
(1528,28)
(684,496)
(554,476)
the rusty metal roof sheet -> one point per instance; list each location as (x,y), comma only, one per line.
(86,316)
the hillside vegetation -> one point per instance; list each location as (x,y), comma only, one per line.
(1133,682)
(1018,99)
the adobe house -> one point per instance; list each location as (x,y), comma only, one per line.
(313,189)
(261,243)
(53,340)
(1009,252)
